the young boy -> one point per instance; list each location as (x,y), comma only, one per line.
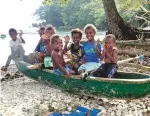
(59,67)
(109,56)
(17,51)
(75,48)
(91,50)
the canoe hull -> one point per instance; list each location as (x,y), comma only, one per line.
(120,88)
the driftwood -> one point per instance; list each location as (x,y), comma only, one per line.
(143,46)
(128,60)
(132,53)
(146,68)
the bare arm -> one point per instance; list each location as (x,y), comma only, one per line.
(97,51)
(114,56)
(102,56)
(96,48)
(20,35)
(67,39)
(65,47)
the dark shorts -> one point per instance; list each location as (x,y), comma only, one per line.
(106,70)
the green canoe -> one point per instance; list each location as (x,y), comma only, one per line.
(126,85)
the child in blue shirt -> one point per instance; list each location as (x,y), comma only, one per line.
(91,50)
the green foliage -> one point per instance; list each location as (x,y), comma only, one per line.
(50,14)
(68,14)
(76,13)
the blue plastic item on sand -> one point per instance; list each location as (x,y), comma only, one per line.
(79,111)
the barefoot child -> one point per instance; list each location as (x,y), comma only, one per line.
(109,55)
(91,50)
(75,48)
(17,51)
(59,67)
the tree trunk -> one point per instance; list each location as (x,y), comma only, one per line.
(116,24)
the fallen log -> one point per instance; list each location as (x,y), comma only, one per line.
(131,53)
(146,68)
(129,59)
(144,46)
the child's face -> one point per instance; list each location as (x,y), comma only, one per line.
(76,38)
(13,35)
(41,32)
(109,43)
(49,33)
(58,44)
(90,34)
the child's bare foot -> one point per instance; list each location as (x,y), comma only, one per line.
(4,68)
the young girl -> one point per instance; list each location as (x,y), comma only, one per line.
(109,56)
(45,47)
(75,48)
(91,50)
(44,44)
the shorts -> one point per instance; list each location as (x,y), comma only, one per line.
(106,70)
(59,72)
(89,66)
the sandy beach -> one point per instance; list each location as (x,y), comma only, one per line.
(25,97)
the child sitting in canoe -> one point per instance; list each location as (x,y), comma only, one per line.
(109,56)
(41,31)
(17,50)
(75,48)
(59,66)
(91,50)
(44,46)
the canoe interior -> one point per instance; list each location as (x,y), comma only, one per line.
(121,75)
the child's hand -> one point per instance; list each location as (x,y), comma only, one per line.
(67,39)
(97,42)
(21,33)
(76,65)
(104,47)
(83,61)
(67,75)
(44,36)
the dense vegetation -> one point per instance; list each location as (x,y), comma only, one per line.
(77,13)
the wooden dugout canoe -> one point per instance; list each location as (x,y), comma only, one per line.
(125,85)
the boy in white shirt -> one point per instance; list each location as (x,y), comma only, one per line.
(17,51)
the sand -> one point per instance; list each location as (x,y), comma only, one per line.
(25,97)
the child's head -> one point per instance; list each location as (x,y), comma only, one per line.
(56,42)
(90,31)
(76,35)
(41,30)
(34,57)
(110,41)
(50,30)
(13,33)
